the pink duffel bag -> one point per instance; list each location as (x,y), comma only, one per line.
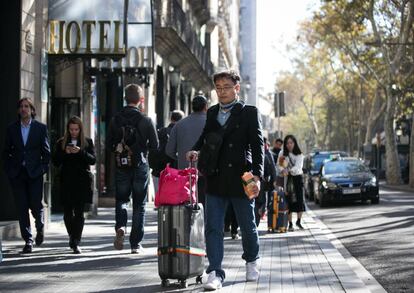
(174,186)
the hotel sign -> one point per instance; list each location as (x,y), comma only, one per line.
(92,27)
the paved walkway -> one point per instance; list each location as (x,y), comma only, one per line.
(300,261)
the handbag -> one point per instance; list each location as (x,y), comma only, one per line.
(174,186)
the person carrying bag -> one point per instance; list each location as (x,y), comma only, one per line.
(290,164)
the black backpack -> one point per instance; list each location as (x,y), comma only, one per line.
(128,136)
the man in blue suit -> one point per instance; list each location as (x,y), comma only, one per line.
(26,159)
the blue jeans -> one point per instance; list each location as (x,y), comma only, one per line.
(215,211)
(133,181)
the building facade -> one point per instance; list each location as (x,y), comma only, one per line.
(171,48)
(248,45)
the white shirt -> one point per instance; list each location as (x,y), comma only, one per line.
(295,163)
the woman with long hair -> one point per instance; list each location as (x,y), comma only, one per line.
(74,153)
(290,163)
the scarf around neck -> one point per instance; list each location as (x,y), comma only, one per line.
(228,106)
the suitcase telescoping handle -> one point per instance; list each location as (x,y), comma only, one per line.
(193,164)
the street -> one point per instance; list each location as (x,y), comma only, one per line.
(380,237)
(301,261)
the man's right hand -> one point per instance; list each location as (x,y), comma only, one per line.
(192,156)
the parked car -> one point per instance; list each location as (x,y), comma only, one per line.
(311,167)
(345,179)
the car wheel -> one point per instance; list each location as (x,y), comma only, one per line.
(375,200)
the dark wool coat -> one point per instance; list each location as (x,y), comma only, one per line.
(241,150)
(75,175)
(35,154)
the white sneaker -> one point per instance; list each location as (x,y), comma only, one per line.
(252,274)
(138,250)
(213,282)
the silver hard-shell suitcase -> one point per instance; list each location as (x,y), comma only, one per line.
(181,243)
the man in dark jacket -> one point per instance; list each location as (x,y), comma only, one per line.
(134,176)
(26,157)
(240,150)
(159,159)
(267,184)
(277,147)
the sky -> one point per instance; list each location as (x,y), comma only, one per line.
(277,24)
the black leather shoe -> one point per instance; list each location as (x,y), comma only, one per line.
(39,238)
(77,250)
(28,248)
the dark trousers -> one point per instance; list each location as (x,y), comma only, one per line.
(259,209)
(28,194)
(230,220)
(74,221)
(201,188)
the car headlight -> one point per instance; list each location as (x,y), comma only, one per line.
(372,182)
(329,185)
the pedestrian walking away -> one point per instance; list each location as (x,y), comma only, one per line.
(185,134)
(230,145)
(74,154)
(26,158)
(131,135)
(231,226)
(290,164)
(158,159)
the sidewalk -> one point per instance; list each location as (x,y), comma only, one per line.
(400,187)
(300,261)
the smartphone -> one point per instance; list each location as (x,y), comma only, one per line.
(71,144)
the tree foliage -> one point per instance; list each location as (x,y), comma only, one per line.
(353,76)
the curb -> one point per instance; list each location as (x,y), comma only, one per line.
(348,282)
(404,188)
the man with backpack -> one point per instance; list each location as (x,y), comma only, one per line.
(131,136)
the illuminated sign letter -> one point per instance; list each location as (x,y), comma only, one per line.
(103,35)
(88,24)
(69,37)
(116,38)
(53,36)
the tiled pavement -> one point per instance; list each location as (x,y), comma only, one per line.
(300,261)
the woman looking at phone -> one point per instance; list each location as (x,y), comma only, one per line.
(74,153)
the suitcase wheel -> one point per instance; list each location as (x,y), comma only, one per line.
(199,280)
(183,283)
(165,283)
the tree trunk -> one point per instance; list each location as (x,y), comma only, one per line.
(373,117)
(412,152)
(393,171)
(312,119)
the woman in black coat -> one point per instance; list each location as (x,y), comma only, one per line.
(74,153)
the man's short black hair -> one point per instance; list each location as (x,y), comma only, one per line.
(227,74)
(198,103)
(279,140)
